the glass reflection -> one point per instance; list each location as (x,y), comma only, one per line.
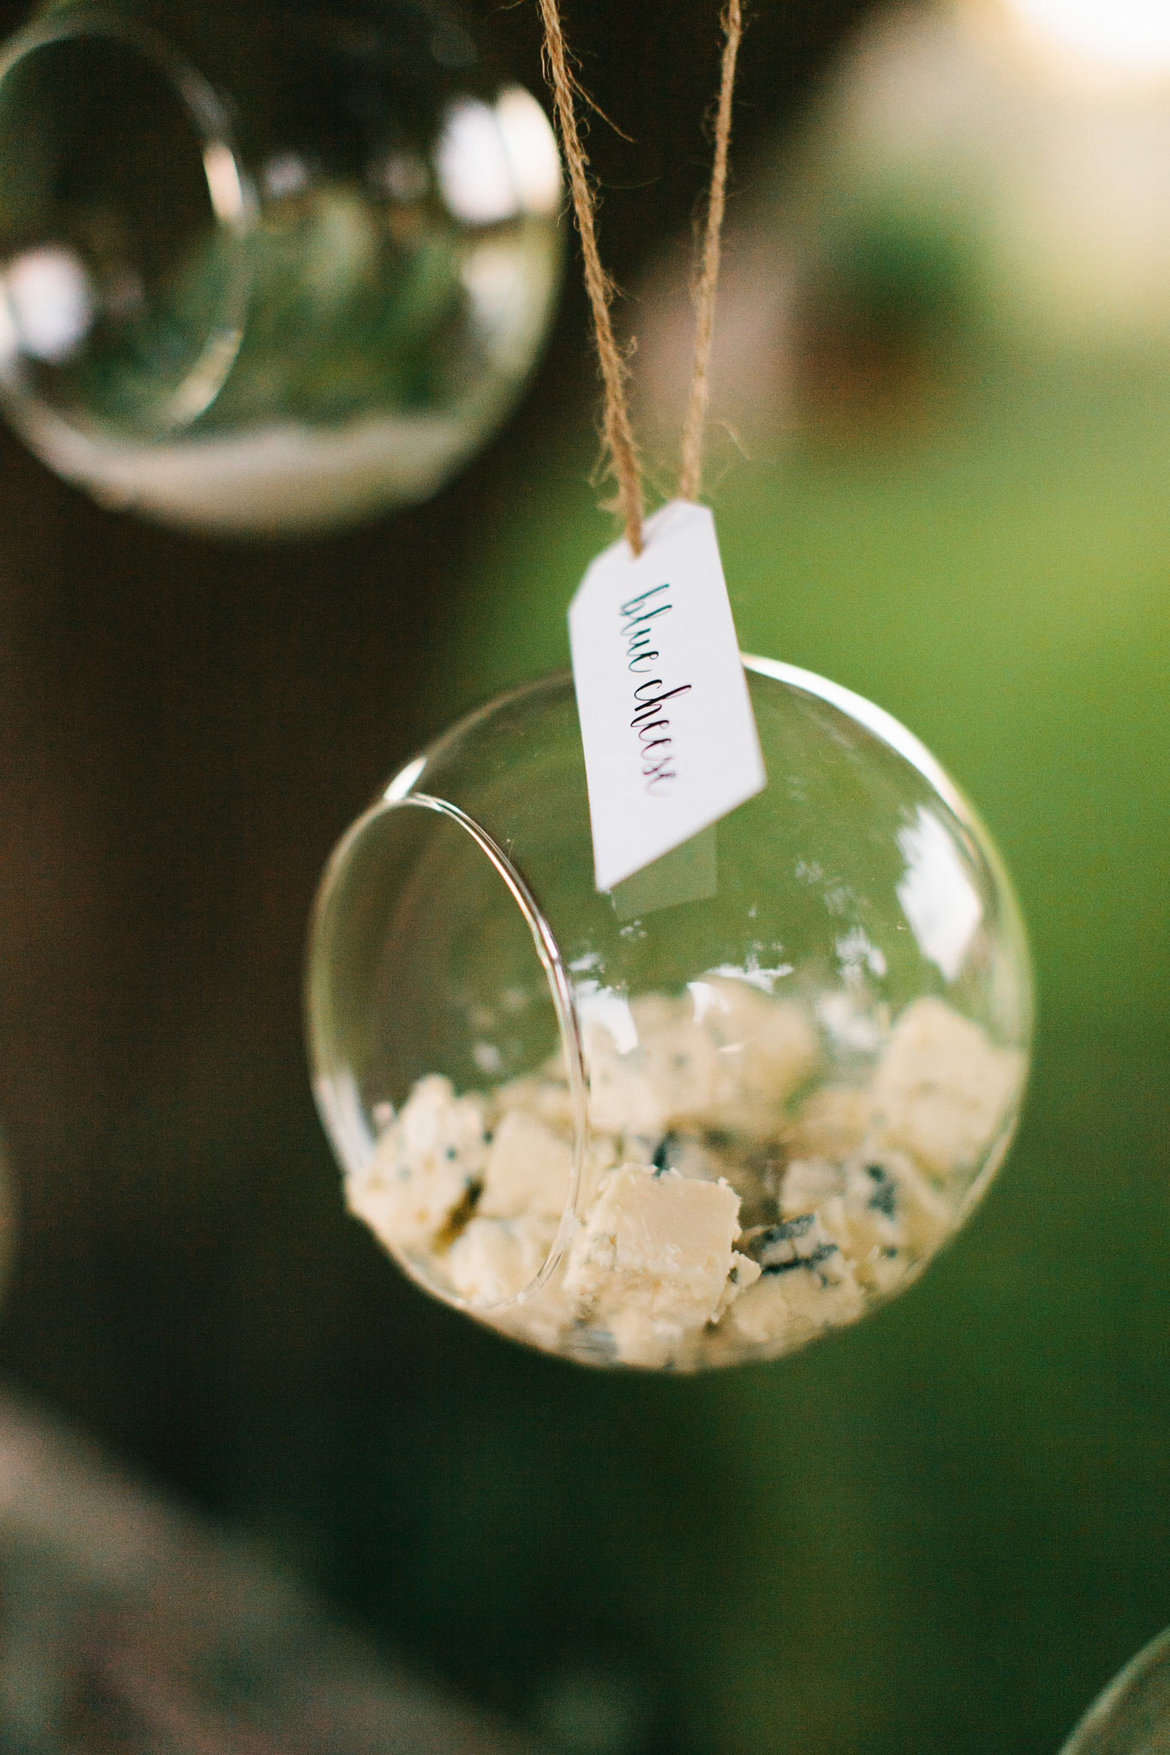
(475,175)
(937,896)
(51,303)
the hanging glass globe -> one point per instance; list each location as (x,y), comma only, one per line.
(734,1104)
(266,270)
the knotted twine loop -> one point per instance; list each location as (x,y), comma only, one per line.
(621,447)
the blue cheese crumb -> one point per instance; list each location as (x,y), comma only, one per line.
(426,1166)
(493,1260)
(942,1087)
(656,1245)
(883,1213)
(806,1284)
(744,1272)
(526,1171)
(722,1053)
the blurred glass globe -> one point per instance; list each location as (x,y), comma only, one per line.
(1132,1715)
(272,272)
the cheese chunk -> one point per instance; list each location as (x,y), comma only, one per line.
(622,1099)
(495,1259)
(942,1087)
(832,1122)
(766,1049)
(782,1311)
(805,1285)
(723,1053)
(527,1171)
(678,1058)
(744,1272)
(657,1245)
(926,1217)
(426,1165)
(881,1211)
(667,1076)
(547,1099)
(808,1183)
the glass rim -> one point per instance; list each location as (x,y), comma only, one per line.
(336,1105)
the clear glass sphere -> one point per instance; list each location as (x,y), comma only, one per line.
(271,269)
(704,1119)
(1132,1715)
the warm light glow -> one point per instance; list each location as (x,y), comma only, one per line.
(1132,34)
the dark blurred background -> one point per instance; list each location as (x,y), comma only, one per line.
(942,1530)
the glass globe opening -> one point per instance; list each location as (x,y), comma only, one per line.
(433,974)
(123,275)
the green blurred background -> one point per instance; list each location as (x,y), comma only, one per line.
(942,1530)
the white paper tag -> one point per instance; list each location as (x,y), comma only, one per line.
(670,739)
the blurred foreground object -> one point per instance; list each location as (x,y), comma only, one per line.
(1132,1716)
(127,1626)
(266,270)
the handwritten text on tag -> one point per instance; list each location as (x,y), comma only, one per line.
(670,740)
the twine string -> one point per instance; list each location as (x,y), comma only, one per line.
(622,458)
(695,423)
(617,427)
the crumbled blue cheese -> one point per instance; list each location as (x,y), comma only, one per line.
(806,1284)
(832,1122)
(722,1053)
(679,1060)
(427,1165)
(883,1213)
(660,1242)
(653,1258)
(744,1272)
(622,1098)
(547,1098)
(725,1210)
(766,1048)
(527,1170)
(495,1259)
